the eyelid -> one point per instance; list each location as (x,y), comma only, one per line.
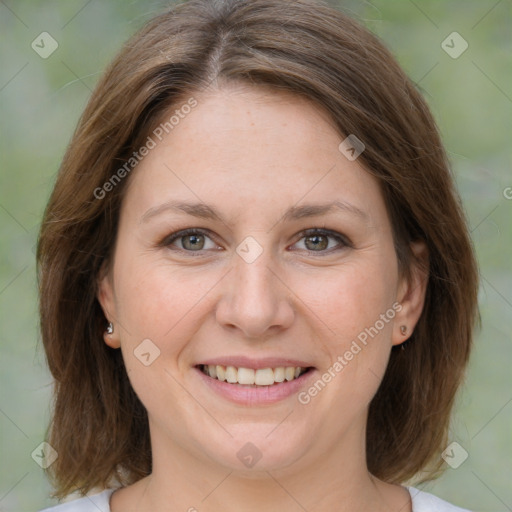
(339,237)
(168,239)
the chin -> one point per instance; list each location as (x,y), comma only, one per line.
(252,451)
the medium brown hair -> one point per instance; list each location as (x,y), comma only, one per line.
(99,426)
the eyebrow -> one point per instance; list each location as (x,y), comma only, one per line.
(205,211)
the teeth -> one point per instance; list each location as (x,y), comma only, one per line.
(264,377)
(279,374)
(221,372)
(231,374)
(248,376)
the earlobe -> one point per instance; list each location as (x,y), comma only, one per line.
(106,299)
(411,294)
(111,337)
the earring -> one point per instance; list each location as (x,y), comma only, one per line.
(403,330)
(110,328)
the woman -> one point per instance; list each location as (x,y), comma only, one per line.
(257,286)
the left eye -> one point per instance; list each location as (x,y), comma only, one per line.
(316,240)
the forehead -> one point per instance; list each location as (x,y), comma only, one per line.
(250,126)
(243,145)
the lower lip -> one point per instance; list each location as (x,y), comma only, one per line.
(256,395)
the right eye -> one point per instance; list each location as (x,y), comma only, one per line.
(189,240)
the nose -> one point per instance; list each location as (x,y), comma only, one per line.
(254,300)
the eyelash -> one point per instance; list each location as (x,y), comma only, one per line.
(342,240)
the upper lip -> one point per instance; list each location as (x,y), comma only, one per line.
(248,362)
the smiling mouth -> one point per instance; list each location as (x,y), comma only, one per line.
(251,377)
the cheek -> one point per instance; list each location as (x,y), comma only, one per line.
(355,306)
(159,302)
(161,309)
(352,298)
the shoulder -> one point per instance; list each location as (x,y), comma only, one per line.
(424,502)
(96,503)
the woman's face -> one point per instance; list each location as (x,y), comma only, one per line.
(289,263)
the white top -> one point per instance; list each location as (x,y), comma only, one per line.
(421,502)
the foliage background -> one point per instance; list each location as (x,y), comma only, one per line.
(41,100)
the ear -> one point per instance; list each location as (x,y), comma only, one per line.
(106,299)
(411,294)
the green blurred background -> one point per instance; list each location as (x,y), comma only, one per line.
(471,97)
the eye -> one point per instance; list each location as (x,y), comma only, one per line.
(320,240)
(195,240)
(190,240)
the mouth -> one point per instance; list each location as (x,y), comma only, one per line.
(251,377)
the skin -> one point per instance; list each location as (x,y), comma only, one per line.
(252,154)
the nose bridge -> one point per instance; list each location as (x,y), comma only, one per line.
(254,300)
(253,279)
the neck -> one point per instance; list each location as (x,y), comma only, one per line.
(336,480)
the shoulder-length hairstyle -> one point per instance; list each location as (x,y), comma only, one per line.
(306,47)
